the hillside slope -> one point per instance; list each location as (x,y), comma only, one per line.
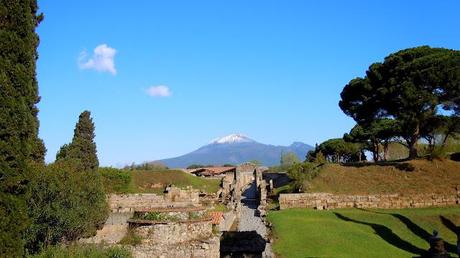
(428,177)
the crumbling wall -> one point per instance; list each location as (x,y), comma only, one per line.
(199,248)
(191,238)
(174,198)
(174,232)
(381,201)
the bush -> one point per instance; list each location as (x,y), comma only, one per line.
(115,180)
(131,238)
(79,251)
(302,173)
(65,204)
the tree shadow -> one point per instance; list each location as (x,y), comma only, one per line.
(398,164)
(419,231)
(452,227)
(388,235)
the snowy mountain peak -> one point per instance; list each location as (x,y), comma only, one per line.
(232,138)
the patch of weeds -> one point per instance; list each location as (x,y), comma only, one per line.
(194,215)
(131,238)
(158,216)
(220,207)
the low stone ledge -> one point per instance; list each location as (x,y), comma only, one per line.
(134,222)
(381,201)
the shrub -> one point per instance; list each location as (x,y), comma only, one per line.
(131,238)
(115,180)
(65,204)
(87,251)
(302,173)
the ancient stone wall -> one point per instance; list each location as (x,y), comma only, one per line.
(198,248)
(174,232)
(381,201)
(191,238)
(132,202)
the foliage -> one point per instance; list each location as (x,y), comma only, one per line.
(115,180)
(408,87)
(155,165)
(82,147)
(86,251)
(373,135)
(359,232)
(131,238)
(19,143)
(158,216)
(336,150)
(220,207)
(195,166)
(288,159)
(65,204)
(255,162)
(302,173)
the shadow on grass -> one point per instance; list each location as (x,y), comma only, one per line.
(399,164)
(388,235)
(420,232)
(454,228)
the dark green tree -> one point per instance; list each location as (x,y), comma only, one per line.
(288,159)
(82,147)
(374,136)
(19,143)
(337,150)
(409,86)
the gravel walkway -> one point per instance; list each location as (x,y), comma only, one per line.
(250,219)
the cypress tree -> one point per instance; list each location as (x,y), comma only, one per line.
(19,143)
(82,147)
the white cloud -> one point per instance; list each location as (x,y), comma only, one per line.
(101,61)
(159,91)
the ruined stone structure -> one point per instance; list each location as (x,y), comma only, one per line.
(261,186)
(381,201)
(175,197)
(179,235)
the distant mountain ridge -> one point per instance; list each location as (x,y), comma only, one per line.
(236,149)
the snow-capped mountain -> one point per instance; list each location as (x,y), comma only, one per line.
(232,138)
(236,149)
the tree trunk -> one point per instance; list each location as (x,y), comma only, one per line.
(375,151)
(385,151)
(412,144)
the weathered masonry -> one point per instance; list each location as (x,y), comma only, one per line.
(381,201)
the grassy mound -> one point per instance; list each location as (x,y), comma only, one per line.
(427,177)
(361,233)
(146,181)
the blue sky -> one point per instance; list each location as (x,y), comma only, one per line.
(169,76)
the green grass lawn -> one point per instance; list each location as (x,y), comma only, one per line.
(361,233)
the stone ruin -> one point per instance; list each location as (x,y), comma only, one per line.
(382,201)
(177,234)
(187,233)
